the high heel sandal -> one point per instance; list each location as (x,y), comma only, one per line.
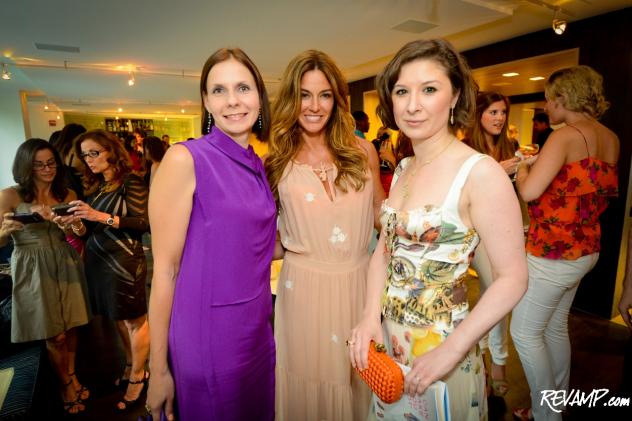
(76,403)
(121,382)
(129,404)
(83,392)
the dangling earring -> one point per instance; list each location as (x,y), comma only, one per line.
(260,122)
(210,123)
(452,116)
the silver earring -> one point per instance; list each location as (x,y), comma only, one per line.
(452,116)
(260,122)
(210,123)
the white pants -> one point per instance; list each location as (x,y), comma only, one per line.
(539,326)
(496,339)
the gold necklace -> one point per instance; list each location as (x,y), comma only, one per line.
(423,164)
(321,172)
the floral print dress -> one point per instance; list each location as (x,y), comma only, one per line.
(425,297)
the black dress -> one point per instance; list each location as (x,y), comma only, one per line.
(115,262)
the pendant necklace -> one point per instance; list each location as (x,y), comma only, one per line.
(423,164)
(321,172)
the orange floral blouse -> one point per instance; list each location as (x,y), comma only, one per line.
(565,219)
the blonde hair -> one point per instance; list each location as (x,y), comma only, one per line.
(579,88)
(285,134)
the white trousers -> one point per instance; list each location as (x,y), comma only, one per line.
(539,326)
(496,339)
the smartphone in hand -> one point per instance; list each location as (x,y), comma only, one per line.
(27,218)
(62,209)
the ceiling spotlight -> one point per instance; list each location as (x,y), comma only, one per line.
(182,110)
(131,81)
(511,74)
(535,78)
(58,117)
(6,75)
(559,25)
(165,118)
(120,109)
(46,107)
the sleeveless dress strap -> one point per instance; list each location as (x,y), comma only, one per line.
(451,203)
(584,137)
(400,169)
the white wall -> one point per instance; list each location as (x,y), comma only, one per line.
(39,117)
(11,124)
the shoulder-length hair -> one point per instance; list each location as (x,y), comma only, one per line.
(285,136)
(579,88)
(457,70)
(118,158)
(504,148)
(23,170)
(224,54)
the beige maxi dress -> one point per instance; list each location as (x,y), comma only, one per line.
(320,295)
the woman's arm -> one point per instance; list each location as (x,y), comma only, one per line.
(495,214)
(136,196)
(9,200)
(378,191)
(170,204)
(532,181)
(370,327)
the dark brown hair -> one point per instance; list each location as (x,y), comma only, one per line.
(154,149)
(23,170)
(118,158)
(442,52)
(504,148)
(237,54)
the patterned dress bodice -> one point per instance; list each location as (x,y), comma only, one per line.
(430,250)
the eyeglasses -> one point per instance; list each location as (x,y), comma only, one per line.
(91,154)
(38,165)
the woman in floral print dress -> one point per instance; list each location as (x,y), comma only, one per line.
(327,185)
(442,200)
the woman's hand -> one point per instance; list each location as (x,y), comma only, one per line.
(361,336)
(386,154)
(82,210)
(9,225)
(510,165)
(67,222)
(44,210)
(430,367)
(160,395)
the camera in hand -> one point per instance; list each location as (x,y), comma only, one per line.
(62,209)
(27,218)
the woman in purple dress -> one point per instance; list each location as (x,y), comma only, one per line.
(213,228)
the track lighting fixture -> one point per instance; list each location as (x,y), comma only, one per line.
(131,81)
(6,75)
(559,25)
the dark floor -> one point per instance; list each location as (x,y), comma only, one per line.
(597,363)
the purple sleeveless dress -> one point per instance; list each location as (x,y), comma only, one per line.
(221,346)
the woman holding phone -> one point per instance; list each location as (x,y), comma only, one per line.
(49,287)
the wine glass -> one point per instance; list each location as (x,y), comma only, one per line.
(526,151)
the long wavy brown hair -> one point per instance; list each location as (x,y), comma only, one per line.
(285,134)
(504,148)
(118,159)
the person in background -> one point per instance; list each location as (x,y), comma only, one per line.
(136,159)
(488,135)
(327,186)
(139,137)
(73,167)
(386,152)
(362,123)
(442,201)
(166,141)
(153,151)
(115,212)
(513,135)
(49,298)
(541,128)
(213,224)
(567,187)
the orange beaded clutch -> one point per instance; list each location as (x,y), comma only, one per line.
(383,375)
